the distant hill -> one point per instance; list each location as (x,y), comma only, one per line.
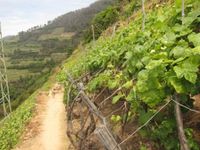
(72,22)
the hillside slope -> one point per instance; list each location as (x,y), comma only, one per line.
(144,73)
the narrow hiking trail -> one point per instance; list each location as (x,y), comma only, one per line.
(47,129)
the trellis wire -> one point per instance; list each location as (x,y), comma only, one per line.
(99,94)
(146,123)
(115,92)
(190,109)
(138,129)
(118,109)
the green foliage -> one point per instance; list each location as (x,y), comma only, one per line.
(117,97)
(99,81)
(116,118)
(101,22)
(22,89)
(194,38)
(130,7)
(108,78)
(188,69)
(11,129)
(192,143)
(143,147)
(165,135)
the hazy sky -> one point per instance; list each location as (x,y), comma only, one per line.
(18,15)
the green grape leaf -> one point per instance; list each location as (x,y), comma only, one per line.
(161,17)
(154,63)
(179,71)
(145,60)
(128,84)
(112,84)
(195,39)
(176,84)
(178,51)
(116,118)
(196,50)
(144,116)
(182,30)
(152,97)
(117,98)
(178,3)
(191,17)
(188,69)
(192,77)
(129,55)
(169,38)
(181,50)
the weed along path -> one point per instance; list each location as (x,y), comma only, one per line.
(47,129)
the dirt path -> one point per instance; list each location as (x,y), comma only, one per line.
(47,129)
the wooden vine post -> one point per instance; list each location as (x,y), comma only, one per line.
(179,121)
(183,11)
(144,15)
(93,33)
(114,30)
(106,138)
(178,114)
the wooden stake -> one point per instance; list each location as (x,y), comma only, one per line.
(179,121)
(114,29)
(183,11)
(93,34)
(144,15)
(106,138)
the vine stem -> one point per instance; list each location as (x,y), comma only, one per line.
(115,92)
(110,114)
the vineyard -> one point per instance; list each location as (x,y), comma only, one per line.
(144,80)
